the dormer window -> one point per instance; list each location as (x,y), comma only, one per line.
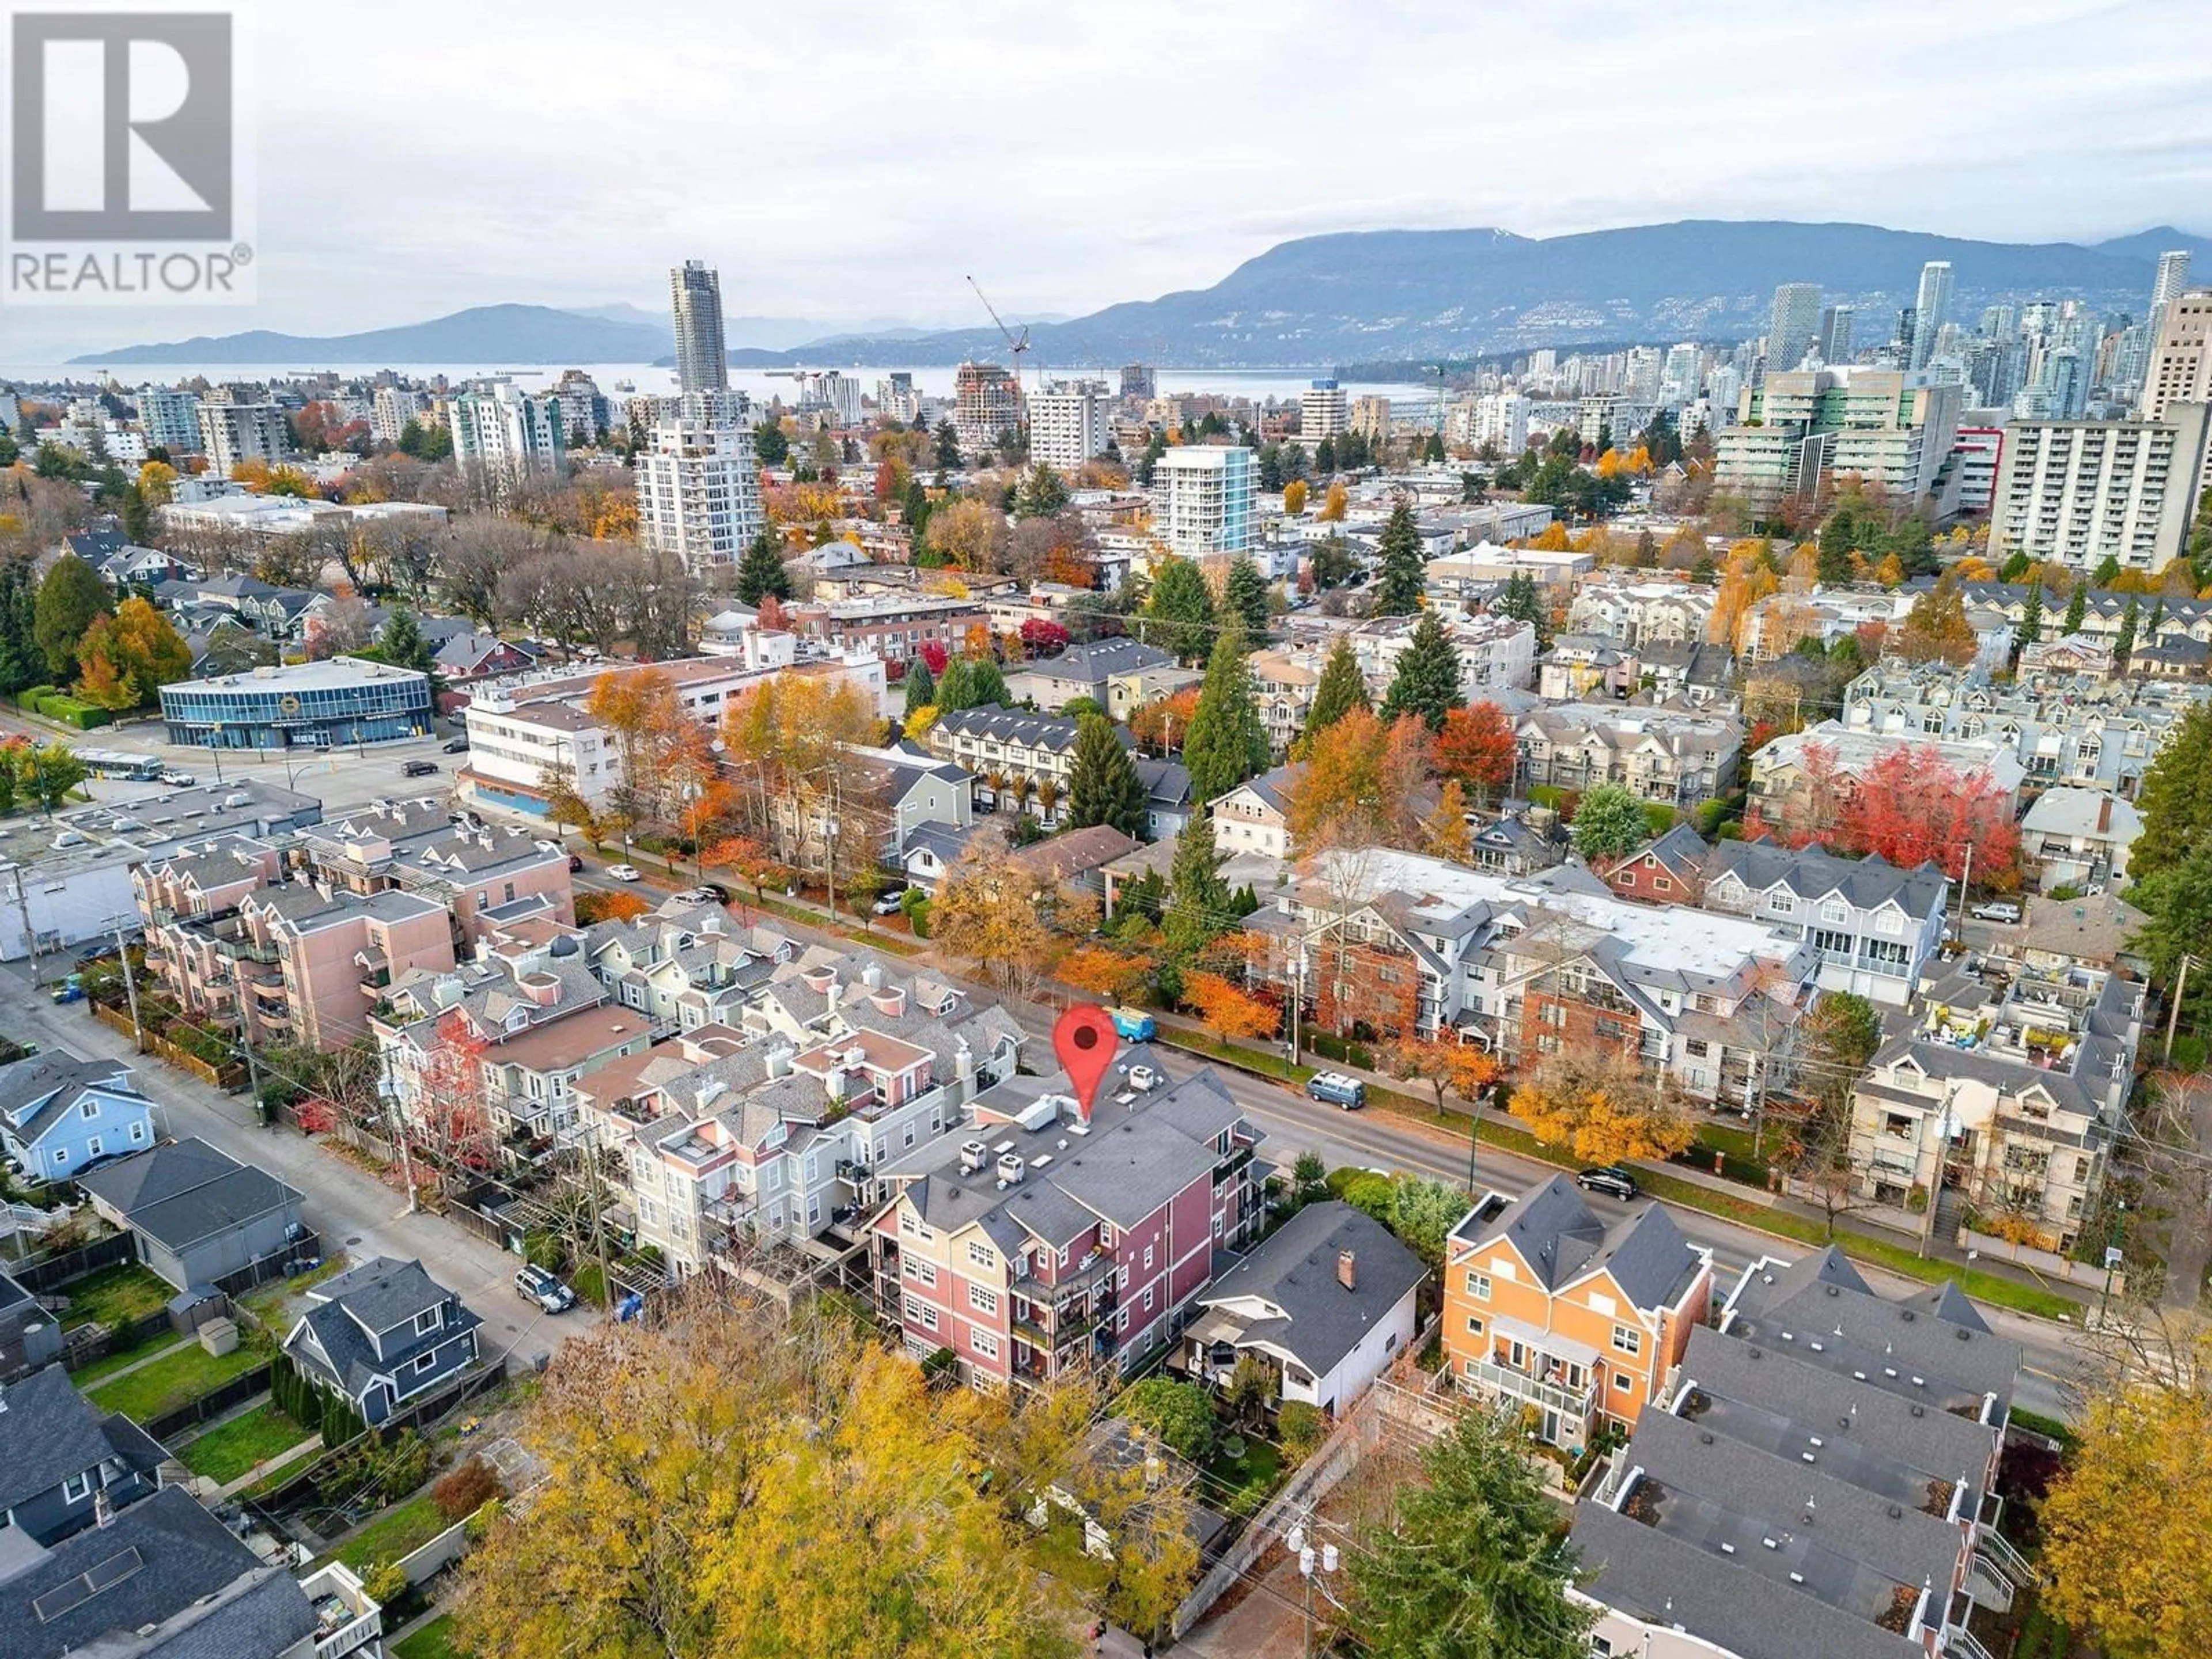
(429,1321)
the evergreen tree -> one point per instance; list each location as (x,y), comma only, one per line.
(1426,684)
(2124,646)
(22,661)
(2176,801)
(1398,590)
(771,445)
(1246,594)
(1522,603)
(1043,492)
(70,597)
(921,687)
(1226,743)
(1197,907)
(1144,897)
(947,439)
(2076,608)
(1180,612)
(761,572)
(1324,457)
(2030,617)
(1342,687)
(1103,786)
(1433,451)
(1271,466)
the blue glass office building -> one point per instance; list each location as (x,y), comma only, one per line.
(316,705)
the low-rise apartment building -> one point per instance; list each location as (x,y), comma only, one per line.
(1643,613)
(1040,1240)
(1256,816)
(1576,1318)
(1677,759)
(894,629)
(1010,752)
(2078,733)
(1875,927)
(1816,1478)
(2002,1103)
(1832,756)
(1091,670)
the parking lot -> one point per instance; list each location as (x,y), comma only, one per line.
(340,778)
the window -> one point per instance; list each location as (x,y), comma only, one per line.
(1148,1298)
(919,1312)
(138,1131)
(982,1301)
(1621,1382)
(1148,1258)
(1477,1286)
(90,1109)
(1473,1324)
(922,1271)
(428,1321)
(980,1253)
(984,1343)
(1627,1339)
(77,1488)
(424,1361)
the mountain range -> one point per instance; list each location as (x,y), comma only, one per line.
(1404,295)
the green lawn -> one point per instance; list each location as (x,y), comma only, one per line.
(1240,1486)
(269,1304)
(394,1535)
(229,1450)
(86,1376)
(115,1296)
(175,1380)
(433,1641)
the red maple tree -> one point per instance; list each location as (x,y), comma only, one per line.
(1476,746)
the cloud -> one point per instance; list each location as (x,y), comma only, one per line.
(419,157)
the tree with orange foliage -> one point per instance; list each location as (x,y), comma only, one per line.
(1913,807)
(1602,1107)
(448,1113)
(1110,974)
(1333,505)
(1231,1012)
(1477,747)
(608,906)
(1358,784)
(1294,497)
(749,862)
(1553,537)
(1162,724)
(1448,1066)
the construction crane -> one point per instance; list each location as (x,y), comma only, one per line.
(1015,345)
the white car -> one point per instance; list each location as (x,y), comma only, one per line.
(2001,910)
(624,872)
(1144,1079)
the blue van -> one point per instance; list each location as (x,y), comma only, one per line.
(1337,1089)
(1135,1025)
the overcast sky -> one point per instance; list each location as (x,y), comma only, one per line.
(852,161)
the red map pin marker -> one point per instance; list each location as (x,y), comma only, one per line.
(1084,1039)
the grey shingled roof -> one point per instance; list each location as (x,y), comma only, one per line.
(1814,873)
(1295,1271)
(53,1082)
(177,1585)
(381,1292)
(187,1190)
(49,1432)
(1562,1238)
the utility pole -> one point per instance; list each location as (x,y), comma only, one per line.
(1965,875)
(2173,1012)
(129,986)
(2112,1257)
(30,933)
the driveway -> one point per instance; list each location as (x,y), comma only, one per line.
(351,1209)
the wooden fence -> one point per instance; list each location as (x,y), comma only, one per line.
(229,1077)
(89,1342)
(236,1392)
(49,1275)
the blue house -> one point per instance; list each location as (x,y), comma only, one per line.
(59,1115)
(63,1460)
(381,1335)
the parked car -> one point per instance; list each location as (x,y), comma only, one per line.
(698,895)
(177,779)
(1610,1179)
(715,891)
(1144,1079)
(889,905)
(418,769)
(624,872)
(1337,1089)
(2003,910)
(1135,1025)
(536,1284)
(575,863)
(457,745)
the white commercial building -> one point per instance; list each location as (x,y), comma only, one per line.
(502,435)
(1204,496)
(1322,412)
(1501,419)
(698,483)
(394,407)
(1068,424)
(232,433)
(2078,492)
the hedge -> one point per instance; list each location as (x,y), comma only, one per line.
(55,705)
(1339,1048)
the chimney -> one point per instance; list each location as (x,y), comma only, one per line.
(103,1512)
(2104,813)
(1347,1270)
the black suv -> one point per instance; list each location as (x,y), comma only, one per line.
(1610,1179)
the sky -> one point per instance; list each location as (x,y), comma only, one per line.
(846,162)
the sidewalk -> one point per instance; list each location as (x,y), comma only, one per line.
(1791,1219)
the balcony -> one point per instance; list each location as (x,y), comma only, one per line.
(1488,1375)
(347,1618)
(245,949)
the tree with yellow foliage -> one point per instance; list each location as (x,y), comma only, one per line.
(1333,505)
(1602,1107)
(1553,538)
(1444,834)
(1611,464)
(989,909)
(157,483)
(2125,1526)
(834,1504)
(1294,497)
